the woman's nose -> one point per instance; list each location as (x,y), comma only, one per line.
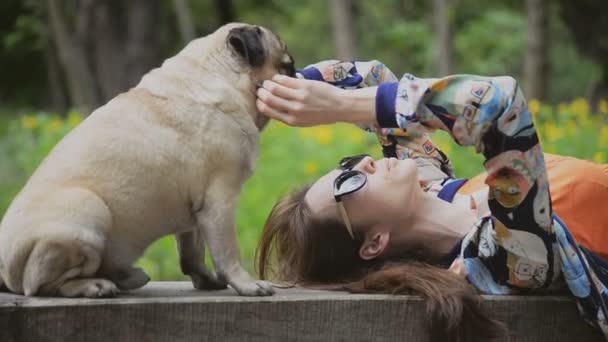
(367,165)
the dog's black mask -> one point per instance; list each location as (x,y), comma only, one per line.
(247,42)
(290,68)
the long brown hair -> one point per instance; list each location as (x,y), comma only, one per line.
(319,253)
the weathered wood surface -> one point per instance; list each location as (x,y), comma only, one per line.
(174,311)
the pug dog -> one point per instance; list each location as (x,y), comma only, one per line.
(167,157)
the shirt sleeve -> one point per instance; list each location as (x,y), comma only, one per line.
(349,75)
(514,242)
(432,163)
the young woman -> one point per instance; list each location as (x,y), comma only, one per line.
(404,224)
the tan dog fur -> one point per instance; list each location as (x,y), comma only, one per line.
(167,157)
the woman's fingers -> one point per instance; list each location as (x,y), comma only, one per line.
(277,102)
(273,113)
(298,102)
(283,91)
(289,82)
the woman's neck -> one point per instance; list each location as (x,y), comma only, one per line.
(436,225)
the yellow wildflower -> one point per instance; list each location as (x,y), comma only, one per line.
(552,132)
(311,168)
(547,109)
(603,106)
(29,122)
(356,136)
(599,157)
(580,107)
(562,109)
(305,132)
(323,135)
(571,128)
(74,119)
(604,136)
(534,106)
(54,125)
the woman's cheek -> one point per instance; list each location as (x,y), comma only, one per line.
(365,199)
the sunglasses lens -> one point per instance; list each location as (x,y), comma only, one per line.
(350,162)
(349,182)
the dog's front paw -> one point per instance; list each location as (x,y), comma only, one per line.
(255,288)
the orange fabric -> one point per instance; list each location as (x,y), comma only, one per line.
(579,195)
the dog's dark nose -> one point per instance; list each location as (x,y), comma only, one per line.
(291,71)
(290,66)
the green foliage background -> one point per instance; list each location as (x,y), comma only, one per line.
(291,157)
(489,39)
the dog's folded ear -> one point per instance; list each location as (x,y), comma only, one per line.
(247,42)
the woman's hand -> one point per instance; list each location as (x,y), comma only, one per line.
(300,102)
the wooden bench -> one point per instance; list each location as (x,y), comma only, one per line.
(174,311)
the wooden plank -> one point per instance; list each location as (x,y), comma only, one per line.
(174,311)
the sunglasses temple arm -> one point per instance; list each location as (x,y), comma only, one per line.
(346,220)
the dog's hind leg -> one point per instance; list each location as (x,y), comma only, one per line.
(66,253)
(191,248)
(89,287)
(127,278)
(65,269)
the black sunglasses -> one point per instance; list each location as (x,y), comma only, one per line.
(346,183)
(347,163)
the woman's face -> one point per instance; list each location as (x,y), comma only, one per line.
(390,185)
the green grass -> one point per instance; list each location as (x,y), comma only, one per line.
(289,158)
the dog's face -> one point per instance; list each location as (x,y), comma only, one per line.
(261,50)
(262,54)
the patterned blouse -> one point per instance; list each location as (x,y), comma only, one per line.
(519,246)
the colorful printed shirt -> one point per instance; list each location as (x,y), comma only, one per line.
(519,246)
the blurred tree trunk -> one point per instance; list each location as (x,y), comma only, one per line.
(406,8)
(142,43)
(104,46)
(443,14)
(57,96)
(184,20)
(600,91)
(536,62)
(108,48)
(126,43)
(587,20)
(79,76)
(225,10)
(343,19)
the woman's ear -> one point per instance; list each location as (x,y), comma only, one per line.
(374,244)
